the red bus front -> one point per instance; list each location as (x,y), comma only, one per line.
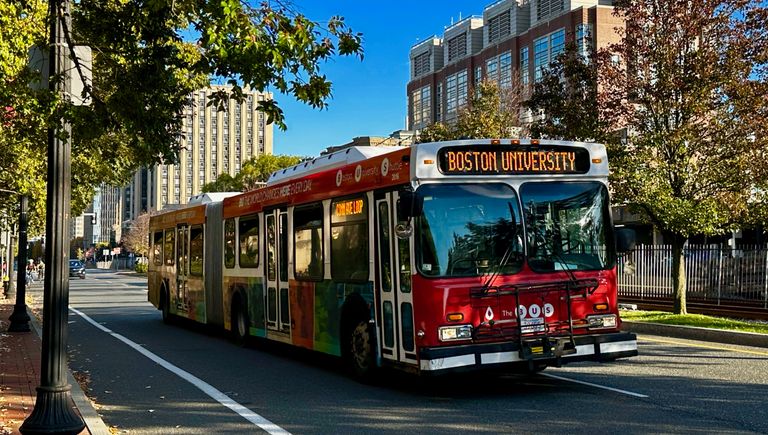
(514,272)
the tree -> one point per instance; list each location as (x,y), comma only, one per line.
(223,183)
(136,240)
(493,112)
(258,169)
(147,58)
(690,89)
(565,100)
(253,172)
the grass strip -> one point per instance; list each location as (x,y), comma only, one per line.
(697,320)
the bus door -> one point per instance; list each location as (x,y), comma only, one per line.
(182,266)
(278,312)
(394,284)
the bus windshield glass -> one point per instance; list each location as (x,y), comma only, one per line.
(567,226)
(469,230)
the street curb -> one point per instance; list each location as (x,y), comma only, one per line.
(93,421)
(694,333)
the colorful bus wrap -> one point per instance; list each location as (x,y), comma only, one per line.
(434,258)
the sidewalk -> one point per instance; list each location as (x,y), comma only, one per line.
(20,354)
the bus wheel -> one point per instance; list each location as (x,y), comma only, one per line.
(360,354)
(240,323)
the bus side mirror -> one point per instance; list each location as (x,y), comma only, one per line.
(410,205)
(625,240)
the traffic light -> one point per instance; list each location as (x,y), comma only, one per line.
(93,219)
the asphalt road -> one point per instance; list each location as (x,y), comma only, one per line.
(149,378)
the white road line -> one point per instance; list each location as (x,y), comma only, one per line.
(629,393)
(205,387)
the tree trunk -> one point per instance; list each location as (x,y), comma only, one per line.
(678,274)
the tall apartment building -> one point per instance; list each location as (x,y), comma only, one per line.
(513,39)
(215,142)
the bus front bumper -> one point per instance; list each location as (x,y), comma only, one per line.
(602,347)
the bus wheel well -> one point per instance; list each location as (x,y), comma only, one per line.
(357,337)
(165,303)
(239,317)
(354,311)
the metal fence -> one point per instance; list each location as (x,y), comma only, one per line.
(714,274)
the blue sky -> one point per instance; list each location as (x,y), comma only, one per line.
(369,96)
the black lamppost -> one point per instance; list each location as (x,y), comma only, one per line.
(19,318)
(53,413)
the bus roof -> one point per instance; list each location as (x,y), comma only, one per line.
(358,169)
(329,161)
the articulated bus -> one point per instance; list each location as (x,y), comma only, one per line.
(438,257)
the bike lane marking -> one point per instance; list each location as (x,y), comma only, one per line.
(203,386)
(576,381)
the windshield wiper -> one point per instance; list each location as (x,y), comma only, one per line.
(507,252)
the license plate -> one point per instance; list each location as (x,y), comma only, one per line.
(534,324)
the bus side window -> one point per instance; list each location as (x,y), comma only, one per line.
(229,243)
(196,246)
(157,248)
(169,248)
(349,240)
(249,241)
(308,242)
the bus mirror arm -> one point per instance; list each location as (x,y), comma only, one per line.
(410,205)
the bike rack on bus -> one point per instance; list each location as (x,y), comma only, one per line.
(557,338)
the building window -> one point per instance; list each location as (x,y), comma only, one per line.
(439,102)
(421,64)
(498,27)
(492,69)
(505,70)
(583,40)
(524,65)
(548,8)
(456,92)
(450,94)
(545,50)
(422,105)
(457,47)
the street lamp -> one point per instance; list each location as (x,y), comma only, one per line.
(19,318)
(52,413)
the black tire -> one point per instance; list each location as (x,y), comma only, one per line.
(360,354)
(240,322)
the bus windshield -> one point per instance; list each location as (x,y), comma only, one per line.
(469,230)
(567,225)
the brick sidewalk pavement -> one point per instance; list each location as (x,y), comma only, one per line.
(20,354)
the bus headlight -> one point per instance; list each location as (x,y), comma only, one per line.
(602,321)
(458,332)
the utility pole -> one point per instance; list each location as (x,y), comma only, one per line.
(53,413)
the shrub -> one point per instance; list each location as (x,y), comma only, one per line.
(140,268)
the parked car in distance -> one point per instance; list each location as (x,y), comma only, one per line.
(76,268)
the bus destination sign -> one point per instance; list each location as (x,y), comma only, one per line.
(513,160)
(349,208)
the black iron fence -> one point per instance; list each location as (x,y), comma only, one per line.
(716,275)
